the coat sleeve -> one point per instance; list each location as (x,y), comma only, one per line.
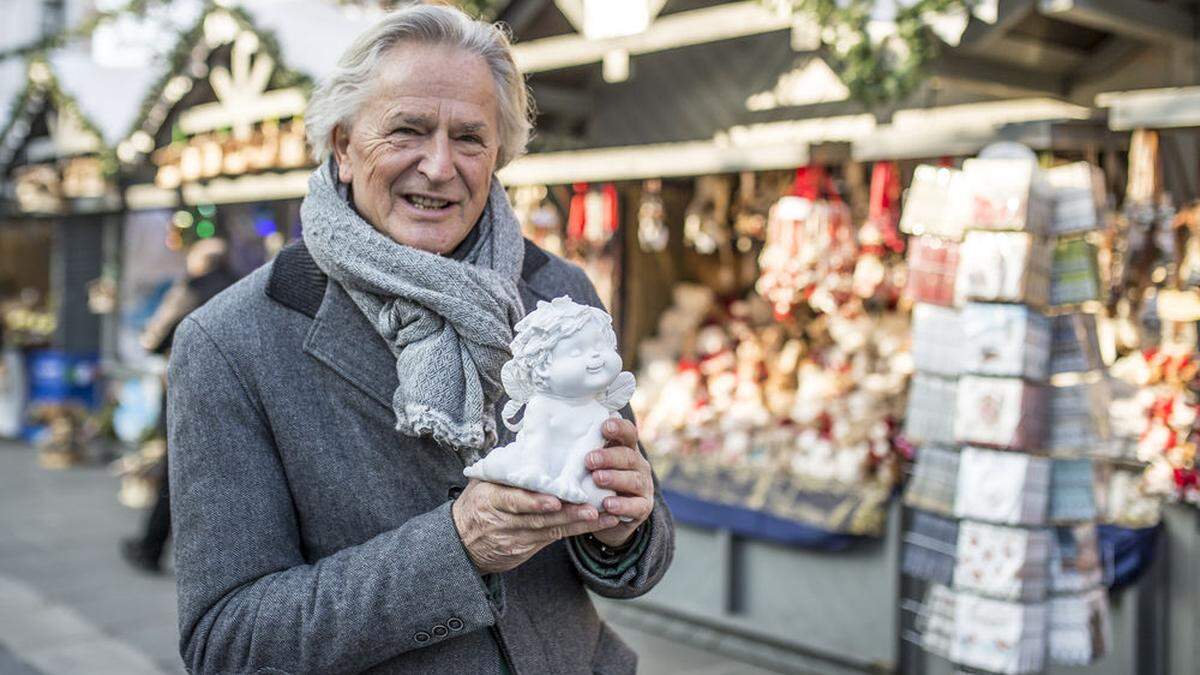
(654,557)
(248,599)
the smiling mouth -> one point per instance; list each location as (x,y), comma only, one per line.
(595,369)
(427,203)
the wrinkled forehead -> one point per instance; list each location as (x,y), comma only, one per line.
(436,72)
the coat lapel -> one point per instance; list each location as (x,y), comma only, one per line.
(342,338)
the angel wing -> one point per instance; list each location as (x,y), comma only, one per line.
(619,392)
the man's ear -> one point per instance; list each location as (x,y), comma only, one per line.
(341,152)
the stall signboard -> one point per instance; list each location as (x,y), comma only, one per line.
(228,114)
(50,187)
(54,155)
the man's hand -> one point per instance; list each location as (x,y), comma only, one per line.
(620,467)
(502,527)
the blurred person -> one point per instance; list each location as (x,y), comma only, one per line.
(206,274)
(321,410)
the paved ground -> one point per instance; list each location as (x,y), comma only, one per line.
(69,605)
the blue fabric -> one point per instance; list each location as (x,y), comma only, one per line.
(1126,552)
(751,523)
(58,377)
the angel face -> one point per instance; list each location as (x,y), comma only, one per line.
(582,364)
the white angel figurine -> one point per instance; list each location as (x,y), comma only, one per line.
(566,373)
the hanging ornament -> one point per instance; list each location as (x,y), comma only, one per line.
(706,220)
(811,251)
(577,214)
(879,234)
(612,212)
(653,234)
(884,208)
(1145,182)
(749,223)
(601,215)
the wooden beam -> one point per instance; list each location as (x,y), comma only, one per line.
(981,35)
(1159,108)
(1021,51)
(1109,57)
(722,22)
(918,133)
(1140,19)
(996,78)
(1112,54)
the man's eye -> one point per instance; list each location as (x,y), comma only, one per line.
(407,131)
(471,138)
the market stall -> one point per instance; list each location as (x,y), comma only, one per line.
(771,391)
(59,207)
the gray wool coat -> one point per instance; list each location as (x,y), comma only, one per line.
(311,537)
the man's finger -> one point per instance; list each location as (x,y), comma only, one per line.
(624,482)
(574,529)
(518,501)
(620,431)
(569,514)
(625,458)
(631,507)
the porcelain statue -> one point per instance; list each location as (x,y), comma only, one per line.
(566,373)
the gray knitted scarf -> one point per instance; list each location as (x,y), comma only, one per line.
(449,323)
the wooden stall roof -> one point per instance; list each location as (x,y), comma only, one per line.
(688,90)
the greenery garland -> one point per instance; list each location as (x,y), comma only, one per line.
(283,76)
(876,73)
(180,55)
(51,93)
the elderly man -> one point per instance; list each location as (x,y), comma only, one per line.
(322,410)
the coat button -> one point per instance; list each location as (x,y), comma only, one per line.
(440,631)
(421,636)
(455,623)
(454,491)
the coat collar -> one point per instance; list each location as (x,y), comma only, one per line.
(341,338)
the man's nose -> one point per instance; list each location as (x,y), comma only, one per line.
(437,164)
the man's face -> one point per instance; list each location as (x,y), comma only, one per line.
(421,152)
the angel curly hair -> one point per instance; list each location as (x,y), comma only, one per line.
(536,336)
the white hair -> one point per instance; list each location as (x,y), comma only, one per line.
(340,96)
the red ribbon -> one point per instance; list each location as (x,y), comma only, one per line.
(884,209)
(612,212)
(577,215)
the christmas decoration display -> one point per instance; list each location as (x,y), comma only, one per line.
(1158,419)
(815,256)
(790,396)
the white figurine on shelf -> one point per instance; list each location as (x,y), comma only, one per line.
(566,373)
